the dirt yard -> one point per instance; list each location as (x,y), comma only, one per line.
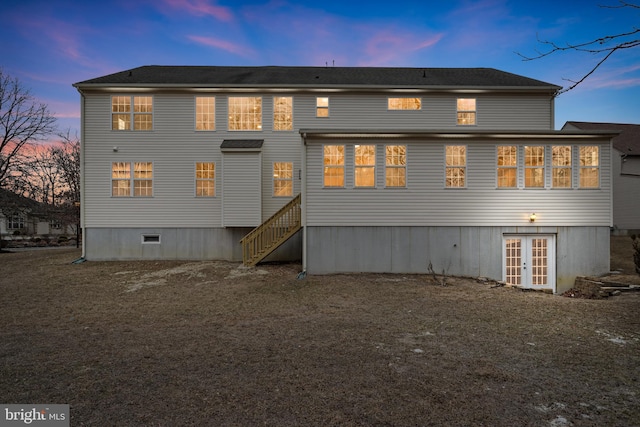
(211,343)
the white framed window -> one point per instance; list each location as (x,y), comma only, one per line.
(507,166)
(282,179)
(15,222)
(205,113)
(282,113)
(333,161)
(132,112)
(322,106)
(534,166)
(589,166)
(561,166)
(466,111)
(455,166)
(365,165)
(404,103)
(123,184)
(245,113)
(205,179)
(395,174)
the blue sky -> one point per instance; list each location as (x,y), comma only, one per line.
(51,44)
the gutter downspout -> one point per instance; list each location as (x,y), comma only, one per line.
(82,169)
(303,201)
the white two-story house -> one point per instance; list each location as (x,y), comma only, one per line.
(355,169)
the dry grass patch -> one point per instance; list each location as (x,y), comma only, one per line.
(211,343)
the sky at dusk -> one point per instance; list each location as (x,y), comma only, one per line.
(51,44)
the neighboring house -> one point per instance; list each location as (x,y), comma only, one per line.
(397,170)
(626,172)
(21,216)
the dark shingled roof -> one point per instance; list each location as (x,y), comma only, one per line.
(272,76)
(241,143)
(628,142)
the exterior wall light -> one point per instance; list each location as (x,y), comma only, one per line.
(532,217)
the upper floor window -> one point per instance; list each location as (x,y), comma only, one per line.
(245,113)
(534,166)
(282,113)
(507,166)
(205,179)
(283,179)
(589,167)
(322,106)
(131,113)
(404,103)
(561,166)
(205,113)
(333,160)
(456,166)
(395,166)
(122,184)
(466,111)
(365,165)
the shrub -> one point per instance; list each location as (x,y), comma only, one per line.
(636,251)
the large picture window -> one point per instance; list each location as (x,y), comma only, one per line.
(205,113)
(395,166)
(333,160)
(456,166)
(283,179)
(282,113)
(245,113)
(589,167)
(561,166)
(507,166)
(534,166)
(131,112)
(205,179)
(124,185)
(365,165)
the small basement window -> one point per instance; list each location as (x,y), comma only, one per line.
(151,238)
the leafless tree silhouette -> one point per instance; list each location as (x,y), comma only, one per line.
(602,47)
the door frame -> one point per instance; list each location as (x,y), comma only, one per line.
(526,256)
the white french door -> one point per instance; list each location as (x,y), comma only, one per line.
(529,261)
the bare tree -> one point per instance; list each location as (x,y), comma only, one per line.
(22,120)
(67,160)
(602,47)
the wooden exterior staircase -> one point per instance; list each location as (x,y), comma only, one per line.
(272,233)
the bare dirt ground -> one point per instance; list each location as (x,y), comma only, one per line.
(209,343)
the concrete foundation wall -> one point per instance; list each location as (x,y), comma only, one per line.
(463,251)
(107,244)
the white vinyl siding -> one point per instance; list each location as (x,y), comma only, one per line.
(425,202)
(241,176)
(174,147)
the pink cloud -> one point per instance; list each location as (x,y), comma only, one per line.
(202,8)
(62,36)
(614,78)
(224,45)
(387,47)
